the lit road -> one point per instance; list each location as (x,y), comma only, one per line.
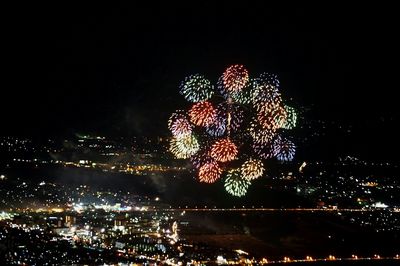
(246,209)
(286,260)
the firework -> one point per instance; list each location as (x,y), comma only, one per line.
(291,118)
(283,149)
(240,113)
(235,184)
(184,147)
(232,112)
(235,78)
(264,150)
(221,88)
(264,93)
(179,125)
(272,116)
(269,79)
(177,115)
(260,134)
(209,172)
(200,158)
(224,150)
(202,114)
(218,128)
(243,96)
(252,169)
(196,88)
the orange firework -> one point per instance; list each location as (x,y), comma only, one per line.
(259,133)
(224,150)
(209,172)
(272,116)
(252,169)
(202,114)
(235,78)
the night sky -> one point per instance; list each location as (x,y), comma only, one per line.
(116,69)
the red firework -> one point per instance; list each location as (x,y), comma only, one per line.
(202,114)
(272,116)
(209,172)
(235,78)
(224,150)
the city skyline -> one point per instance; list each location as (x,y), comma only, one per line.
(201,133)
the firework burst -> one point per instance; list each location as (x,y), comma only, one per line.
(202,114)
(232,112)
(196,88)
(263,150)
(200,158)
(269,79)
(265,94)
(260,134)
(252,169)
(209,172)
(283,149)
(185,147)
(235,78)
(237,124)
(179,125)
(235,184)
(272,116)
(218,128)
(224,150)
(243,96)
(291,118)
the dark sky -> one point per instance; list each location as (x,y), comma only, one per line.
(116,69)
